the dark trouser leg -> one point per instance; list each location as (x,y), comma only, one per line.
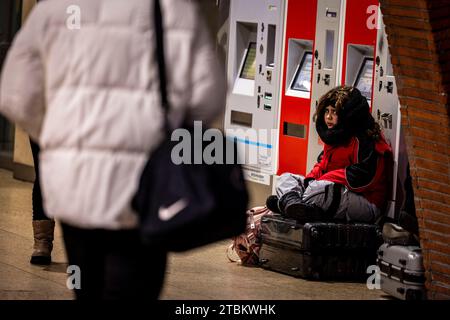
(132,270)
(38,209)
(84,252)
(43,227)
(114,264)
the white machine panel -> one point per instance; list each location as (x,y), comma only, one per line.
(386,107)
(254,67)
(326,72)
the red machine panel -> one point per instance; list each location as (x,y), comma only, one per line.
(295,98)
(359,45)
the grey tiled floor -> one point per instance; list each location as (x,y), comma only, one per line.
(201,274)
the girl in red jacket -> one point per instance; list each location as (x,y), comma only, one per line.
(351,181)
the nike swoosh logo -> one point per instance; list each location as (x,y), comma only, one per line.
(171,211)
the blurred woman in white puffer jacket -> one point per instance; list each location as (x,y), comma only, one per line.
(89,96)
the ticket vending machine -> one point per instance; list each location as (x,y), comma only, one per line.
(253,68)
(327,66)
(296,86)
(345,50)
(386,108)
(343,54)
(360,38)
(343,36)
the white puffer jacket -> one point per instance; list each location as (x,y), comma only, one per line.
(90,97)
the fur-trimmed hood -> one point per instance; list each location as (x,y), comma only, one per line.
(354,119)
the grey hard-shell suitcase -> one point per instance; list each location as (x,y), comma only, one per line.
(402,272)
(318,250)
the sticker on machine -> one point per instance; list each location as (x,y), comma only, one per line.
(257,177)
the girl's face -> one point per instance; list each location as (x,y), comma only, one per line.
(330,117)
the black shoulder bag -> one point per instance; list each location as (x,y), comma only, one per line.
(185,206)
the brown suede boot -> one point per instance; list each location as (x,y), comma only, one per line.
(43,241)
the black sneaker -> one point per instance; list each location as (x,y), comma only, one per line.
(303,213)
(272,204)
(291,198)
(292,207)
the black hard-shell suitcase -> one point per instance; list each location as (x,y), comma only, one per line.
(318,250)
(305,264)
(402,271)
(320,236)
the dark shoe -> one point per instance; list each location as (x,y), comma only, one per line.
(304,213)
(272,204)
(395,235)
(291,198)
(43,242)
(291,206)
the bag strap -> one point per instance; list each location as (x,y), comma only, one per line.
(159,54)
(336,199)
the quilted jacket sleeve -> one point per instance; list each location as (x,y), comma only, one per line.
(22,89)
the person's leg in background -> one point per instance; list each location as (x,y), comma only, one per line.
(43,227)
(114,264)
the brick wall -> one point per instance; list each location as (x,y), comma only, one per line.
(419,41)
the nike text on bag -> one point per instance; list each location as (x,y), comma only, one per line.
(185,206)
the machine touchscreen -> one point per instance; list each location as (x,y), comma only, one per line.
(249,66)
(302,79)
(364,80)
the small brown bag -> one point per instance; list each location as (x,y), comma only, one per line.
(245,247)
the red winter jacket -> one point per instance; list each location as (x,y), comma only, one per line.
(363,165)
